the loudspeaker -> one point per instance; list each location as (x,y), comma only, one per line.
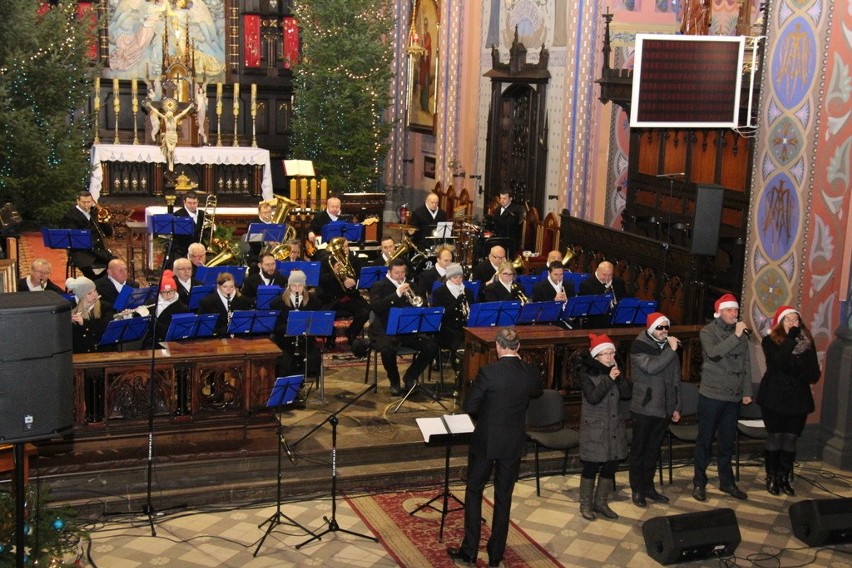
(818,522)
(36,383)
(690,536)
(708,218)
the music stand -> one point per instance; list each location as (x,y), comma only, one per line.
(309,324)
(576,278)
(265,295)
(528,281)
(169,225)
(209,274)
(370,275)
(490,314)
(443,230)
(540,312)
(448,429)
(311,270)
(283,392)
(252,322)
(190,326)
(121,330)
(266,232)
(632,311)
(66,238)
(196,293)
(351,231)
(130,298)
(404,321)
(583,306)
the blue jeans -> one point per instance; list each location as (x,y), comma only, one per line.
(715,418)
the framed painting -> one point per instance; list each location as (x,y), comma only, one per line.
(423,61)
(429,167)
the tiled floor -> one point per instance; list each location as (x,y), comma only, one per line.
(227,538)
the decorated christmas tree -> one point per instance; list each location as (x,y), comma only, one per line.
(341,89)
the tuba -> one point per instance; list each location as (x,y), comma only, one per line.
(282,206)
(208,227)
(338,260)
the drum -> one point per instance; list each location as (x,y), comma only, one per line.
(421,262)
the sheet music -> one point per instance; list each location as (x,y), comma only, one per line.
(443,425)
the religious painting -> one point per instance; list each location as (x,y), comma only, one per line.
(429,167)
(423,61)
(140,31)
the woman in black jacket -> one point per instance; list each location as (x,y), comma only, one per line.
(784,395)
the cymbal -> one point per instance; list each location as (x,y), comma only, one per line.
(400,227)
(462,217)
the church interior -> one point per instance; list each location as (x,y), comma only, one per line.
(699,148)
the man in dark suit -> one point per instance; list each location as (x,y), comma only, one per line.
(603,282)
(425,218)
(180,243)
(507,220)
(498,400)
(183,276)
(110,287)
(39,278)
(390,292)
(552,287)
(267,275)
(91,262)
(426,279)
(323,218)
(483,271)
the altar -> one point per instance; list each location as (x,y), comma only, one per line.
(137,170)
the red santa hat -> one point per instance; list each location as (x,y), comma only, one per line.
(167,284)
(781,313)
(726,301)
(599,343)
(655,319)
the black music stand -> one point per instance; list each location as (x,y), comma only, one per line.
(283,392)
(309,324)
(67,239)
(583,306)
(633,311)
(121,330)
(310,268)
(491,314)
(370,275)
(252,322)
(191,326)
(265,295)
(540,312)
(404,321)
(351,231)
(448,429)
(332,521)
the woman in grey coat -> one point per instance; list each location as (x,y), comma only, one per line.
(602,437)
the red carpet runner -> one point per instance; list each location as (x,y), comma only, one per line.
(412,540)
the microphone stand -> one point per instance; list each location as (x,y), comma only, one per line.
(333,527)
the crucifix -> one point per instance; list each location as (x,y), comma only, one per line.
(170,112)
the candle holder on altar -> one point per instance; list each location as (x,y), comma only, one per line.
(134,106)
(219,114)
(116,108)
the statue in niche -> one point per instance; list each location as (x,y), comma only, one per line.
(695,19)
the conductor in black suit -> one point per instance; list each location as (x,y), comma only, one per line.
(425,218)
(506,220)
(603,282)
(498,401)
(84,215)
(180,243)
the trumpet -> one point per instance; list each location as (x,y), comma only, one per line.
(413,298)
(138,312)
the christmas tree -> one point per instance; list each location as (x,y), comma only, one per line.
(45,81)
(341,85)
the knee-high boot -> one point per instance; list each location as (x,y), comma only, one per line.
(772,472)
(602,498)
(587,491)
(785,468)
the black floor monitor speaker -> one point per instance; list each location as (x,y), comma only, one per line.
(708,219)
(820,522)
(691,536)
(36,384)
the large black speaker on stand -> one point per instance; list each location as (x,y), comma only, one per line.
(821,522)
(36,384)
(691,536)
(708,219)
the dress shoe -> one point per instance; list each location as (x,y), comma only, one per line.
(734,492)
(495,564)
(459,556)
(638,499)
(699,493)
(655,496)
(394,390)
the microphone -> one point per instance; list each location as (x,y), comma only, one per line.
(747,331)
(291,454)
(674,175)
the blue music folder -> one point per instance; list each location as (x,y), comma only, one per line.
(414,320)
(575,278)
(66,238)
(490,314)
(582,306)
(165,224)
(308,322)
(527,281)
(284,390)
(311,269)
(352,231)
(473,286)
(130,298)
(198,292)
(130,329)
(632,311)
(540,312)
(265,232)
(189,326)
(252,322)
(265,295)
(370,275)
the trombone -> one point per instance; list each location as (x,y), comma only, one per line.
(208,226)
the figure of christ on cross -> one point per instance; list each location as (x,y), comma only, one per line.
(170,121)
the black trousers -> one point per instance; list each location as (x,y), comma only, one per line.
(648,433)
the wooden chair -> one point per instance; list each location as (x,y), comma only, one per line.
(547,234)
(465,201)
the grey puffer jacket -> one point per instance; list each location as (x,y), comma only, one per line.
(656,377)
(602,434)
(726,368)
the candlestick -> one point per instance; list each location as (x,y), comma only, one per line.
(218,114)
(134,106)
(304,184)
(116,107)
(314,203)
(236,113)
(97,112)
